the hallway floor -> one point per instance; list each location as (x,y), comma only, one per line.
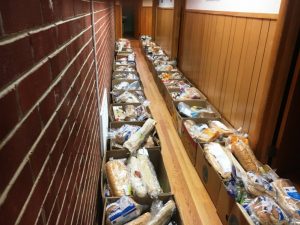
(194,203)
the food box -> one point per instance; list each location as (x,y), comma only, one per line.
(119,75)
(224,204)
(176,217)
(157,161)
(239,216)
(118,81)
(140,95)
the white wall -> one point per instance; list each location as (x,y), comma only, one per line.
(251,6)
(166,3)
(147,2)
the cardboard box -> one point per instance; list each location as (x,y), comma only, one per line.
(191,145)
(115,67)
(157,161)
(224,205)
(128,63)
(117,125)
(239,216)
(111,113)
(137,93)
(179,118)
(208,175)
(118,81)
(176,217)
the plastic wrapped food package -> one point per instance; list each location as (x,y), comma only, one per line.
(187,94)
(221,127)
(135,140)
(194,111)
(122,134)
(126,76)
(128,97)
(165,68)
(138,186)
(201,132)
(167,76)
(125,68)
(245,156)
(148,173)
(171,84)
(123,210)
(263,210)
(141,220)
(258,185)
(161,214)
(288,198)
(124,85)
(118,178)
(119,113)
(217,157)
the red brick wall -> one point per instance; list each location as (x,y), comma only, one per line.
(49,127)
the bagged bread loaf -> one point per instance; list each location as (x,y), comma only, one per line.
(288,198)
(220,127)
(138,186)
(122,211)
(163,216)
(118,178)
(216,156)
(148,173)
(245,156)
(263,210)
(141,220)
(136,140)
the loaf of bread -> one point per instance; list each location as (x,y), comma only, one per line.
(217,157)
(164,215)
(257,185)
(141,220)
(118,178)
(220,127)
(245,156)
(288,198)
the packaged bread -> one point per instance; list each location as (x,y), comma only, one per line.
(148,173)
(137,184)
(288,198)
(163,216)
(220,127)
(136,140)
(118,178)
(245,156)
(141,220)
(123,210)
(257,185)
(264,210)
(217,157)
(208,135)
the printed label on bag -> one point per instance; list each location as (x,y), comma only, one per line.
(292,193)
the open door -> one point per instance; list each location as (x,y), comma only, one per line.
(118,20)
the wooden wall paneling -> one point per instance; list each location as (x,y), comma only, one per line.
(224,49)
(234,66)
(256,72)
(247,73)
(179,5)
(146,20)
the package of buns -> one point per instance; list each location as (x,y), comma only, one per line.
(264,210)
(217,157)
(118,178)
(137,139)
(288,198)
(245,156)
(122,211)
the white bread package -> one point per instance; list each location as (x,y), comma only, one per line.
(118,178)
(122,211)
(149,176)
(137,184)
(136,140)
(164,214)
(141,220)
(217,157)
(288,198)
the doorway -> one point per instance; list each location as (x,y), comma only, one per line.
(128,19)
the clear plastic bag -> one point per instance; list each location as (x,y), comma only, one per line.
(161,215)
(263,210)
(122,134)
(126,97)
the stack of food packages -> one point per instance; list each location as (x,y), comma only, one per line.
(267,198)
(134,181)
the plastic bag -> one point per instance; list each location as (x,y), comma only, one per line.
(222,128)
(187,94)
(127,97)
(194,112)
(148,173)
(135,141)
(288,198)
(263,210)
(122,211)
(162,215)
(216,156)
(123,133)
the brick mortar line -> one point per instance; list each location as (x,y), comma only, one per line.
(21,166)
